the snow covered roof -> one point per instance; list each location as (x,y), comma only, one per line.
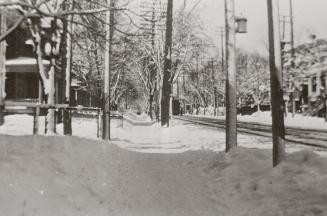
(322,68)
(24,65)
(75,83)
(24,61)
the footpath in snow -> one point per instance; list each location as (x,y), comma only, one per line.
(152,138)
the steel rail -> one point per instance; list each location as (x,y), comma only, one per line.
(302,136)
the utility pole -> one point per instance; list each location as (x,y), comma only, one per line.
(109,30)
(68,67)
(283,44)
(153,71)
(3,26)
(222,49)
(154,14)
(284,21)
(292,55)
(222,53)
(213,87)
(231,106)
(166,84)
(278,128)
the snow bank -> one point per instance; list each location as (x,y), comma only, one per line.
(74,176)
(251,187)
(20,125)
(299,120)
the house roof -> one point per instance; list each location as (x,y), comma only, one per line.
(321,68)
(24,65)
(310,58)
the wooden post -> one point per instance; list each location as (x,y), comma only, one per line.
(36,130)
(100,124)
(166,83)
(3,27)
(35,123)
(278,128)
(231,103)
(122,120)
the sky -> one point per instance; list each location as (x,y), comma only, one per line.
(310,17)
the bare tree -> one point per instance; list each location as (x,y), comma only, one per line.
(35,13)
(253,79)
(166,84)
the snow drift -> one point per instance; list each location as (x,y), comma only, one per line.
(74,176)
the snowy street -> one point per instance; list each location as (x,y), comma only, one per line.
(180,137)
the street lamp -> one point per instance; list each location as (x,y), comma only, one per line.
(241,25)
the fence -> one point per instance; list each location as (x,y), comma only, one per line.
(38,110)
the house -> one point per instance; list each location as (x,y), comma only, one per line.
(22,79)
(309,80)
(316,81)
(23,82)
(79,95)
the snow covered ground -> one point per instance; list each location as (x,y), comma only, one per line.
(178,138)
(46,176)
(298,120)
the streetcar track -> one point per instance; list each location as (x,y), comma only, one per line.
(301,136)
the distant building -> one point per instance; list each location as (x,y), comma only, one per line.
(310,76)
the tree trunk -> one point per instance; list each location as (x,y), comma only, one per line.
(166,84)
(109,30)
(231,109)
(293,105)
(258,107)
(171,99)
(51,120)
(150,106)
(278,128)
(3,27)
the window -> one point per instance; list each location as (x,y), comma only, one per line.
(22,86)
(323,80)
(314,83)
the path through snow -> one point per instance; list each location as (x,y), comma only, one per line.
(180,137)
